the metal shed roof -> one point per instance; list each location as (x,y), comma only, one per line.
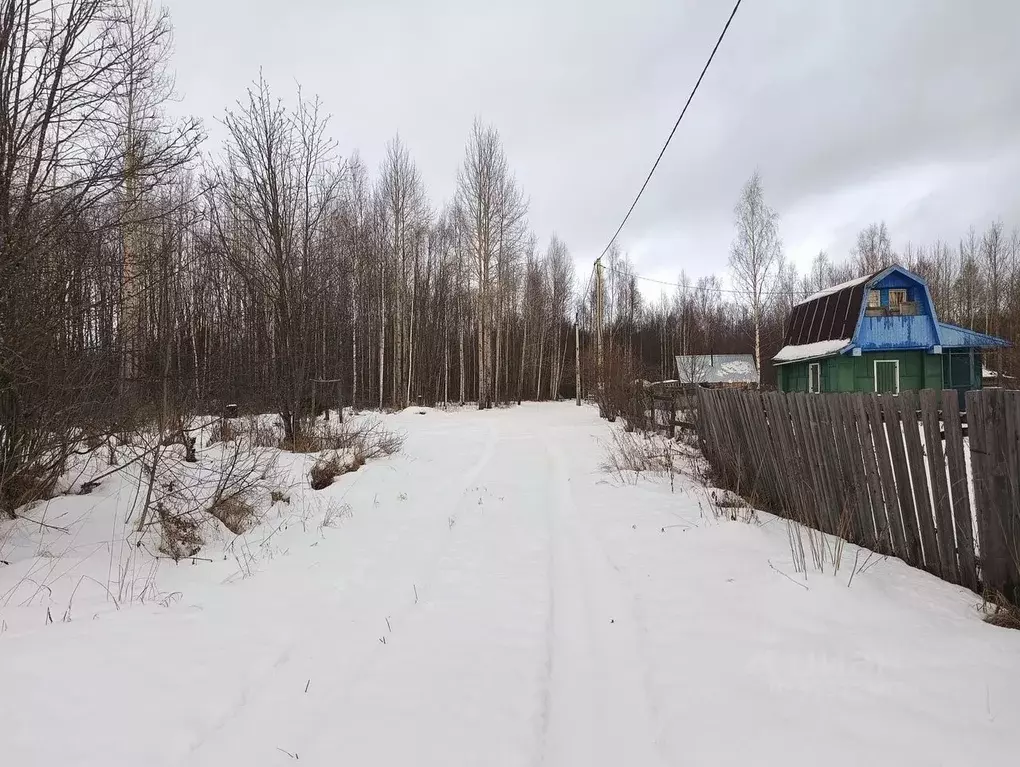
(717,368)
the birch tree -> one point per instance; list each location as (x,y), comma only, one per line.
(755,254)
(491,210)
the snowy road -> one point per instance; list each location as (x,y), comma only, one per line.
(495,600)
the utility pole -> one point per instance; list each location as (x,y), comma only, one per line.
(577,359)
(598,316)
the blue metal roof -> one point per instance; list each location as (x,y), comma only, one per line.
(954,336)
(885,333)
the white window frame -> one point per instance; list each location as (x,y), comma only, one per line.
(812,390)
(898,291)
(875,373)
(876,295)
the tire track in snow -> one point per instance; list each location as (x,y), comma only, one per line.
(454,680)
(598,711)
(260,697)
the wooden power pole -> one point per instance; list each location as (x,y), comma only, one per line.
(598,320)
(577,359)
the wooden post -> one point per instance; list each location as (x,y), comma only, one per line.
(598,320)
(577,360)
(672,417)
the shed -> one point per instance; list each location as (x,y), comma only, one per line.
(717,370)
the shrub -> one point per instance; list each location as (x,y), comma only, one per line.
(179,538)
(368,439)
(27,484)
(236,514)
(223,431)
(261,435)
(325,470)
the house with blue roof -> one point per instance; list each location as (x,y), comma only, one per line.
(878,333)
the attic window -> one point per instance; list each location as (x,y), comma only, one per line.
(874,299)
(897,297)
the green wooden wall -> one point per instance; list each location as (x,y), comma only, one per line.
(918,370)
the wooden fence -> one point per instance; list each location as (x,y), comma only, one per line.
(887,472)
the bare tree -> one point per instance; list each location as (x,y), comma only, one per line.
(274,195)
(755,253)
(492,212)
(874,251)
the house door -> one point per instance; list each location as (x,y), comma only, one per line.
(887,376)
(958,373)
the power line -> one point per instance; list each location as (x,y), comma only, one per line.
(672,132)
(707,287)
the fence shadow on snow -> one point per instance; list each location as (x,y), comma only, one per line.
(905,475)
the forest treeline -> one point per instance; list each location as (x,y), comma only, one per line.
(144,275)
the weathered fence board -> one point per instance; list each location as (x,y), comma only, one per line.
(959,488)
(908,406)
(871,476)
(908,514)
(992,425)
(853,460)
(887,472)
(941,505)
(894,517)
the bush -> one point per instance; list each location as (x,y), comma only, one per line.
(261,435)
(367,438)
(179,538)
(236,514)
(27,484)
(223,431)
(325,470)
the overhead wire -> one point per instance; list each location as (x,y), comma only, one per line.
(708,288)
(676,125)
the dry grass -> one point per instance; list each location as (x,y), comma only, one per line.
(999,611)
(278,496)
(236,514)
(632,454)
(260,434)
(25,486)
(179,537)
(223,431)
(367,439)
(336,513)
(325,470)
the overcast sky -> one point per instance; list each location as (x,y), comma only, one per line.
(853,110)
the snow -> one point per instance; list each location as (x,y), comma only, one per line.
(492,599)
(989,373)
(795,352)
(835,289)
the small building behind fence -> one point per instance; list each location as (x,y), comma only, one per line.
(717,371)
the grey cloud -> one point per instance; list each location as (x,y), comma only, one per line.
(842,104)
